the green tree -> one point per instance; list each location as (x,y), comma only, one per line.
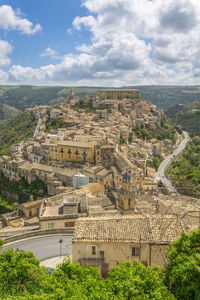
(182,273)
(135,281)
(1,244)
(20,272)
(73,281)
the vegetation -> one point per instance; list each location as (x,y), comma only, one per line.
(121,140)
(167,96)
(87,105)
(182,273)
(15,130)
(188,116)
(161,131)
(7,112)
(185,172)
(156,161)
(6,206)
(54,124)
(22,190)
(20,273)
(25,96)
(23,278)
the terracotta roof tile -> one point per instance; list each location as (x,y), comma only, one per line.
(129,228)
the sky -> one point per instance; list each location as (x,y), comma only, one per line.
(100,42)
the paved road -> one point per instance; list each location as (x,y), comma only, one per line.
(44,247)
(161,170)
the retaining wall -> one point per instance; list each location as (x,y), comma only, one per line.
(35,233)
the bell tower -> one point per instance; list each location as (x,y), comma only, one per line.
(126,203)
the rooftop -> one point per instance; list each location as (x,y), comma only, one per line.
(118,90)
(158,229)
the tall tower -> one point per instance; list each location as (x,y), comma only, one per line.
(126,203)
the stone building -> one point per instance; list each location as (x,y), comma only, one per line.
(73,151)
(118,93)
(58,214)
(107,241)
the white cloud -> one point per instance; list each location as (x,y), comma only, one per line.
(133,42)
(3,77)
(5,49)
(49,52)
(10,19)
(70,31)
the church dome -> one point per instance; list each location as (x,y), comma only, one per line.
(127,176)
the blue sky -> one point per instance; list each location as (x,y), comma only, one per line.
(99,42)
(55,17)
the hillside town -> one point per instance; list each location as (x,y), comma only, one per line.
(101,181)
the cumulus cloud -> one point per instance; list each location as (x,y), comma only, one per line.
(49,52)
(5,49)
(133,42)
(180,17)
(10,19)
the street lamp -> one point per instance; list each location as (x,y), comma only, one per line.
(60,242)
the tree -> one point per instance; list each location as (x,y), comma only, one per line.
(182,273)
(20,272)
(72,281)
(135,281)
(1,244)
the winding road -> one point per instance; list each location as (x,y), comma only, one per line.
(44,247)
(160,175)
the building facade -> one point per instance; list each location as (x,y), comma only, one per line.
(73,151)
(107,241)
(118,93)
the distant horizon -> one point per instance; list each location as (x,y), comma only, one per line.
(104,87)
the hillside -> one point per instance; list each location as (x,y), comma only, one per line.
(22,97)
(187,116)
(8,112)
(185,172)
(15,130)
(164,97)
(167,96)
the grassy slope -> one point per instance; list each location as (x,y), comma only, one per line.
(188,116)
(8,112)
(15,130)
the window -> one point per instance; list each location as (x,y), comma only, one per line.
(30,213)
(102,254)
(135,251)
(93,250)
(129,201)
(50,225)
(69,224)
